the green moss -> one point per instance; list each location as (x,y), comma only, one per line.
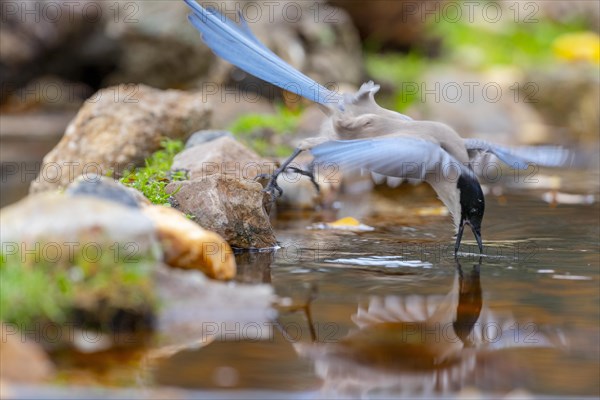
(153,178)
(34,290)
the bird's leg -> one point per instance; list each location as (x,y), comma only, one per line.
(272,186)
(310,172)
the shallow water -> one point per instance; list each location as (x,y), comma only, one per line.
(391,313)
(387,312)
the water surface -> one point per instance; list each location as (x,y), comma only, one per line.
(391,312)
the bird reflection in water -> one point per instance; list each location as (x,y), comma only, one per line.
(419,345)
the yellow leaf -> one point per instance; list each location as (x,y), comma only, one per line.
(580,46)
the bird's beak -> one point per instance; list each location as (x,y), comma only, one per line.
(476,233)
(459,235)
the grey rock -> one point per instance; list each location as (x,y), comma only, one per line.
(230,104)
(206,136)
(568,100)
(117,129)
(231,207)
(158,46)
(107,189)
(390,24)
(223,155)
(69,34)
(102,251)
(479,105)
(77,220)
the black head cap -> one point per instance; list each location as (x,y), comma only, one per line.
(472,206)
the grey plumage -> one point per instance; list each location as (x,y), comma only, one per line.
(361,135)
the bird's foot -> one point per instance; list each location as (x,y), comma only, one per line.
(309,173)
(272,188)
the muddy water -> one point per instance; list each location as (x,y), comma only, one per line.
(390,312)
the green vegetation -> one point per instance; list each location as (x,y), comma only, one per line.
(91,277)
(399,70)
(94,277)
(254,130)
(471,46)
(482,45)
(153,178)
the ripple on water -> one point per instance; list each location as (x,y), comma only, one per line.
(382,261)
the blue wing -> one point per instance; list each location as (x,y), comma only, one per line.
(236,44)
(398,156)
(524,156)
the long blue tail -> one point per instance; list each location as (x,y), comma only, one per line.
(238,45)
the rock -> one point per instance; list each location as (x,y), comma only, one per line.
(298,192)
(186,245)
(158,46)
(107,188)
(229,104)
(98,254)
(390,24)
(117,129)
(231,207)
(70,34)
(480,105)
(206,136)
(224,155)
(567,99)
(22,359)
(62,219)
(103,44)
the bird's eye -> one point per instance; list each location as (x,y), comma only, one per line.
(473,210)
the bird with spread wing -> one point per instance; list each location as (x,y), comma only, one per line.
(361,135)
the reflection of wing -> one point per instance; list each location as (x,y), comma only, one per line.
(408,346)
(519,157)
(413,308)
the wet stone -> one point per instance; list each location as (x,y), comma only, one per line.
(230,207)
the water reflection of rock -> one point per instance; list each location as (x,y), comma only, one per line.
(254,266)
(426,345)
